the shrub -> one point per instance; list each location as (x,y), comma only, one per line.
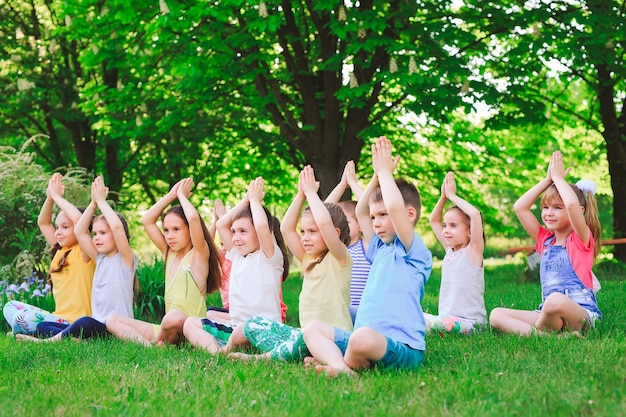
(23,249)
(149,301)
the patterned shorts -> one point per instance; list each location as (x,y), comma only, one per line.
(282,342)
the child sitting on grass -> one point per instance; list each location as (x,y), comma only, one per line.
(462,290)
(390,327)
(569,244)
(360,265)
(114,277)
(321,249)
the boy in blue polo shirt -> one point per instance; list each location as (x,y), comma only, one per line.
(389,327)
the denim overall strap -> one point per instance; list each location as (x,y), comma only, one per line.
(558,275)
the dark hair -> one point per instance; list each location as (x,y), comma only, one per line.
(274,224)
(214,278)
(340,221)
(410,195)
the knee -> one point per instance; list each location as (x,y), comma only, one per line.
(191,324)
(312,329)
(496,316)
(173,320)
(112,322)
(364,340)
(555,303)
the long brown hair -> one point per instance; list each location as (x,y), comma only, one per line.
(214,278)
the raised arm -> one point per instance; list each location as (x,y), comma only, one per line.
(196,232)
(436,216)
(259,218)
(362,212)
(523,205)
(476,246)
(384,165)
(44,221)
(200,252)
(56,190)
(81,231)
(350,173)
(289,226)
(218,212)
(99,192)
(226,221)
(150,218)
(322,217)
(572,205)
(348,179)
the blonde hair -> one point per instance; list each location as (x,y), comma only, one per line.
(588,202)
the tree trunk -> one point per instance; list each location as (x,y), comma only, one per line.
(615,138)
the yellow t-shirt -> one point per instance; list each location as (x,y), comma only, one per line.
(71,287)
(325,293)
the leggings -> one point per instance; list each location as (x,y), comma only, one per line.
(84,328)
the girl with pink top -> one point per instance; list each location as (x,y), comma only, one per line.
(569,244)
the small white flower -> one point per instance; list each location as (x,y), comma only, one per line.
(163,7)
(23,84)
(353,82)
(412,66)
(262,9)
(393,65)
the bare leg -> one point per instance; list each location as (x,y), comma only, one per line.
(236,339)
(197,336)
(131,329)
(27,338)
(172,328)
(218,316)
(320,340)
(245,357)
(507,320)
(560,313)
(365,347)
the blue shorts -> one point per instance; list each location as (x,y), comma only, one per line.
(398,355)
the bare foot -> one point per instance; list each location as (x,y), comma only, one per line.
(27,338)
(331,372)
(245,357)
(10,334)
(160,344)
(310,362)
(240,356)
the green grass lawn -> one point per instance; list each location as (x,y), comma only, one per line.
(487,374)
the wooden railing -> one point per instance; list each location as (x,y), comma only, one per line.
(531,249)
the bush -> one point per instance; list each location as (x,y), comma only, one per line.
(149,301)
(23,249)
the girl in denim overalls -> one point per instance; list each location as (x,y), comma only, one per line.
(569,244)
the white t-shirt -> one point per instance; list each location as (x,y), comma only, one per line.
(255,284)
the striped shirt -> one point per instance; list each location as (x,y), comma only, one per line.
(360,271)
